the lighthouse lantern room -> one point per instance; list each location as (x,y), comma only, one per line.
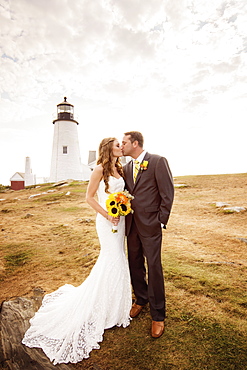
(66,160)
(65,110)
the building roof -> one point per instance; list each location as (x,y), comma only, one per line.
(18,176)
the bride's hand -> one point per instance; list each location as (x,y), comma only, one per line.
(113,220)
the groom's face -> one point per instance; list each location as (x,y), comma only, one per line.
(127,146)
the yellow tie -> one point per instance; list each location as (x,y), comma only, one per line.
(136,169)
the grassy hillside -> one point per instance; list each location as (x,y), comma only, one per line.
(48,238)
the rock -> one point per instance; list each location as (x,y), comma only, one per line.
(14,321)
(85,220)
(228,208)
(28,215)
(62,183)
(221,204)
(34,195)
(234,209)
(37,195)
(244,240)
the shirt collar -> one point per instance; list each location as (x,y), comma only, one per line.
(141,157)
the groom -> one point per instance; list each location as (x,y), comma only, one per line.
(150,182)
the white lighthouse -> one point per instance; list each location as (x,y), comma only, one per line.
(66,160)
(30,179)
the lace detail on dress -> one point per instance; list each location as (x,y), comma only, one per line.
(71,321)
(72,351)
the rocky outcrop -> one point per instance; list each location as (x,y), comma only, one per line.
(14,321)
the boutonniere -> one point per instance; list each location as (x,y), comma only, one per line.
(144,165)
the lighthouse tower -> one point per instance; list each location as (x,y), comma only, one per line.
(66,160)
(30,179)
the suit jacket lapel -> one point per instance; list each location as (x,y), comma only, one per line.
(129,175)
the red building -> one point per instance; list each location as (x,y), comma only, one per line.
(17,181)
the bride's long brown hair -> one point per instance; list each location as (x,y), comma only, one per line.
(106,159)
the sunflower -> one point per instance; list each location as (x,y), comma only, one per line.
(124,209)
(110,202)
(112,206)
(113,211)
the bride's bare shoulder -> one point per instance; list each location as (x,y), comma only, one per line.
(97,172)
(98,169)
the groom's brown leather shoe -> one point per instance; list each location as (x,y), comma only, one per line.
(157,328)
(135,310)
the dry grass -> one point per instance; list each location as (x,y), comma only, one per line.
(49,240)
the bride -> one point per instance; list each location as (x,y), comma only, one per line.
(71,321)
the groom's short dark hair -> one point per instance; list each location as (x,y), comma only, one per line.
(135,136)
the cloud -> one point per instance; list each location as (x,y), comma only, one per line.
(172,64)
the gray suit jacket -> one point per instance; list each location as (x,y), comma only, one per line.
(153,192)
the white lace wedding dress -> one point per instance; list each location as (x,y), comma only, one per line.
(71,321)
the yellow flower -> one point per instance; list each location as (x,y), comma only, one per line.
(124,209)
(113,211)
(118,204)
(111,201)
(144,165)
(111,205)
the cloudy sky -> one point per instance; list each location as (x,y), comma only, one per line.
(176,70)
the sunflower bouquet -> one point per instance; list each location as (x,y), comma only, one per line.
(118,204)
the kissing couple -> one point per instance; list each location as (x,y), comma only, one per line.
(71,320)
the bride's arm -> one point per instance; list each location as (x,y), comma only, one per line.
(92,188)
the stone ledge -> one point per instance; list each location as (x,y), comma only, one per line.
(14,321)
